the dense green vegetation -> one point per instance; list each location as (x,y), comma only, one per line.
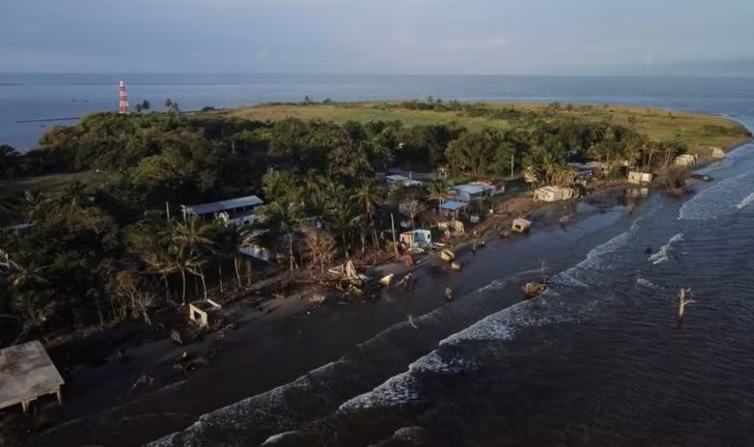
(697,132)
(110,250)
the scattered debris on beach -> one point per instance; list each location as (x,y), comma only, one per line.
(387,279)
(186,363)
(447,255)
(520,225)
(533,289)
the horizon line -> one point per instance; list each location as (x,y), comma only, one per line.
(233,73)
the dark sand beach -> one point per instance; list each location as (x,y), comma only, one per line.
(287,339)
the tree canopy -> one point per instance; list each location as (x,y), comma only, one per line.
(95,253)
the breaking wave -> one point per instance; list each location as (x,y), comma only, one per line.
(719,200)
(242,413)
(279,438)
(662,254)
(582,273)
(647,283)
(748,200)
(503,325)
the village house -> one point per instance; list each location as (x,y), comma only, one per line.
(451,207)
(241,210)
(590,169)
(685,160)
(493,187)
(416,238)
(406,181)
(476,190)
(639,178)
(553,194)
(27,373)
(717,152)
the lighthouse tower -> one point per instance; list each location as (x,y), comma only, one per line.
(123,99)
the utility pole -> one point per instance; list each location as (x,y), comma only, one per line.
(395,243)
(512,155)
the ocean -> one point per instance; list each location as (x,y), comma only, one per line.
(598,360)
(54,96)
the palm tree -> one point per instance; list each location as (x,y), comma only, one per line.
(283,219)
(28,282)
(194,235)
(437,191)
(368,200)
(343,221)
(27,274)
(230,238)
(180,260)
(160,262)
(192,240)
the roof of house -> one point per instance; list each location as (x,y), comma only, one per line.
(471,189)
(223,205)
(26,372)
(492,183)
(397,178)
(452,205)
(484,185)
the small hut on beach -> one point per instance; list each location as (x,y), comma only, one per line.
(26,374)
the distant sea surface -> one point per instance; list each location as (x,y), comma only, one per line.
(54,96)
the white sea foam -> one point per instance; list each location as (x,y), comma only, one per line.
(718,200)
(276,439)
(396,391)
(238,415)
(595,259)
(748,200)
(403,388)
(662,254)
(647,283)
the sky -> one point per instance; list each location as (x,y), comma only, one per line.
(577,37)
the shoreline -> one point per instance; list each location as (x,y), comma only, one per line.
(282,329)
(281,319)
(278,323)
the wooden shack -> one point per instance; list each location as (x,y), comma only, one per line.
(201,312)
(717,152)
(520,225)
(554,194)
(27,373)
(639,178)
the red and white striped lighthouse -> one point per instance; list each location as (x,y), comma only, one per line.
(123,98)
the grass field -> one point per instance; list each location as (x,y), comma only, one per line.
(696,131)
(52,182)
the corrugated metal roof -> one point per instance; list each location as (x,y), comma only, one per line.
(484,186)
(470,189)
(397,178)
(452,205)
(223,205)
